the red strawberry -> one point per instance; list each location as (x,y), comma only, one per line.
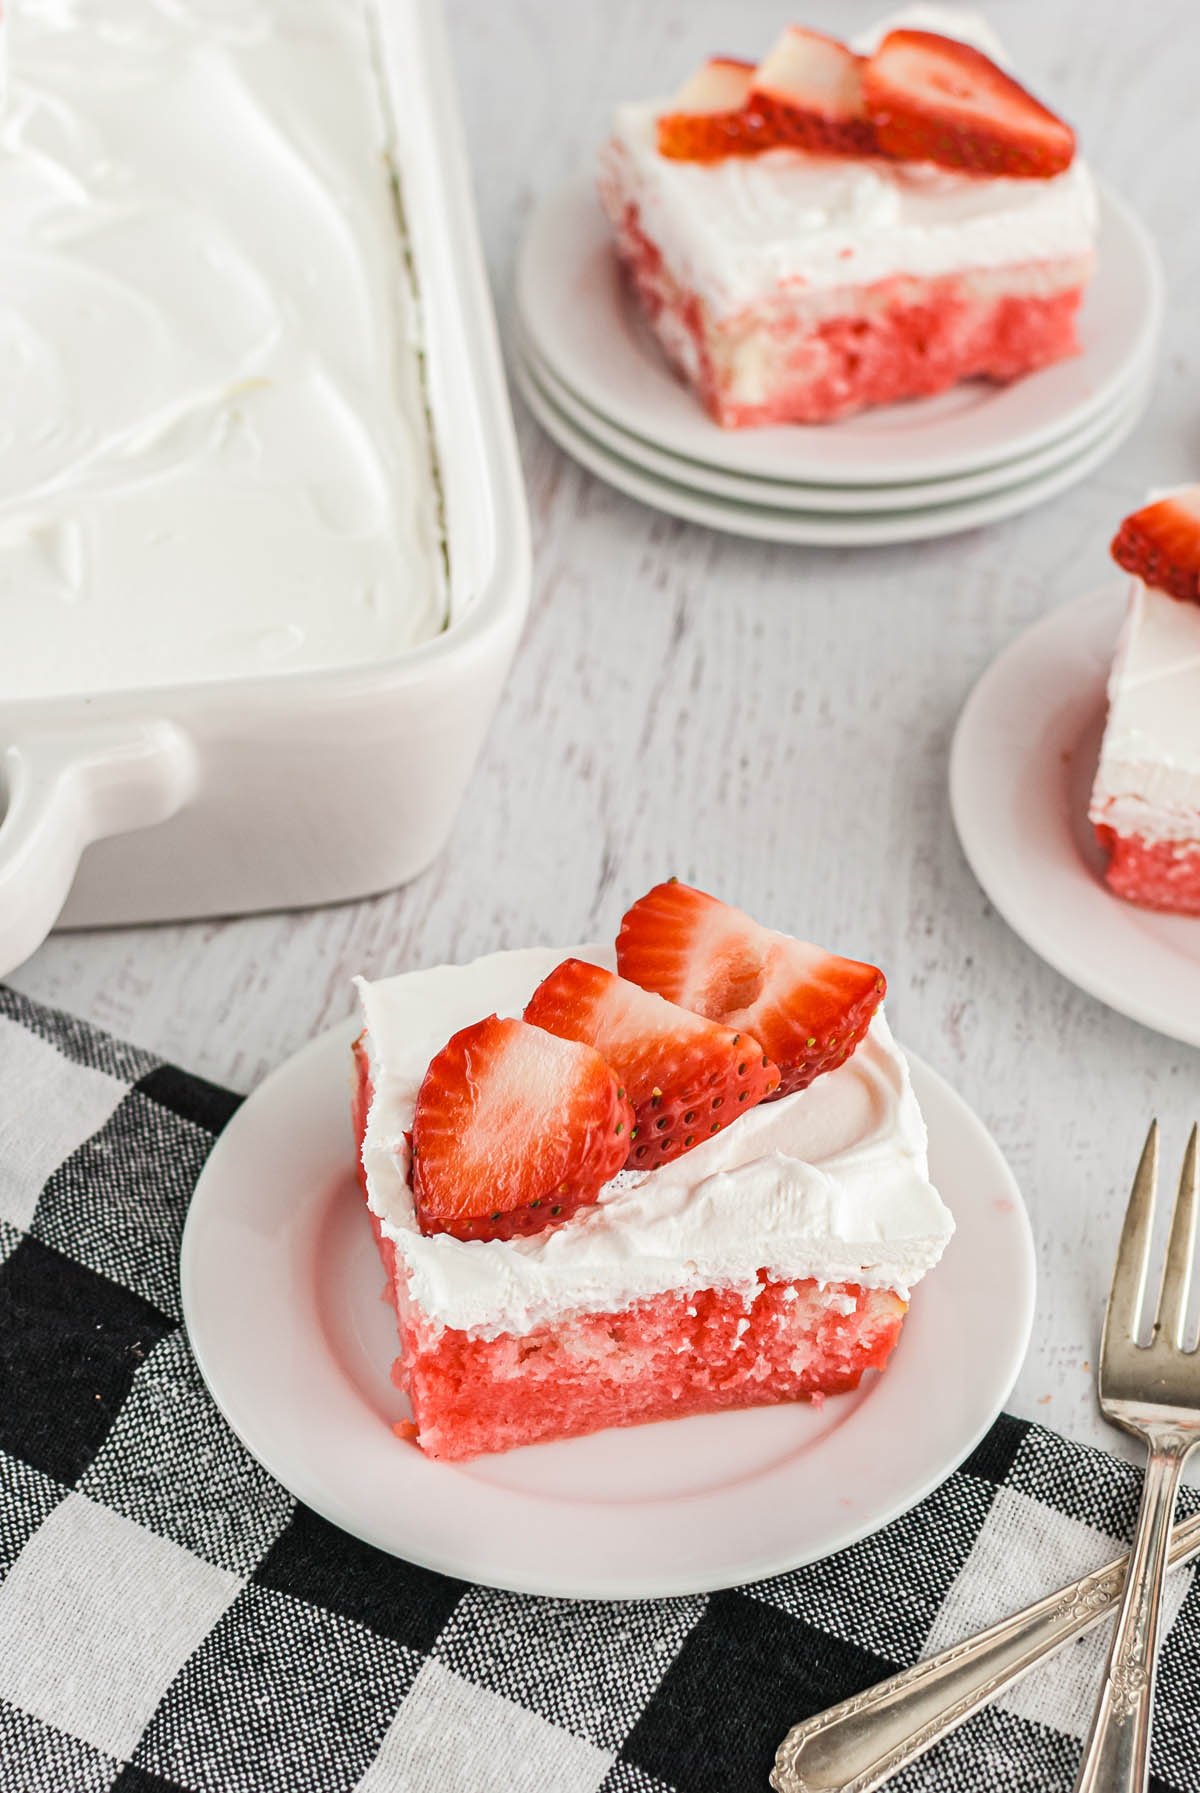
(707,120)
(808,93)
(1161,544)
(513,1130)
(808,1008)
(686,1077)
(935,100)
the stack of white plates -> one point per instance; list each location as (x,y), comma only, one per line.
(596,380)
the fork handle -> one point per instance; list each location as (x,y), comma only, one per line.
(861,1742)
(1116,1756)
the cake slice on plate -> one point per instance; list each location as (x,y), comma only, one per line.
(623,1186)
(1145,803)
(828,230)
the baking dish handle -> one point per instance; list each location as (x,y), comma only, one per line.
(65,790)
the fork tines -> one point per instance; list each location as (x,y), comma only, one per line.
(1127,1298)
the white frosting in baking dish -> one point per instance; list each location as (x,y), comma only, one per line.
(830,1183)
(214,458)
(731,231)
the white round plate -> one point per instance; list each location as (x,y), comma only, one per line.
(583,322)
(283,1295)
(767,523)
(777,494)
(1021,769)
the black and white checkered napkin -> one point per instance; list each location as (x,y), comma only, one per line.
(171,1618)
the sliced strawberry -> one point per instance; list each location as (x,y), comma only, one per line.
(686,1077)
(808,1008)
(1161,544)
(808,93)
(513,1130)
(706,120)
(935,100)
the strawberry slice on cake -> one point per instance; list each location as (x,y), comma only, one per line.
(514,1127)
(846,225)
(549,1279)
(808,92)
(708,119)
(932,99)
(1160,544)
(808,1007)
(686,1077)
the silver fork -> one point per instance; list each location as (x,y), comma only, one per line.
(857,1745)
(1152,1391)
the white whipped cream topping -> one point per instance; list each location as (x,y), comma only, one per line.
(732,230)
(1148,780)
(213,452)
(830,1183)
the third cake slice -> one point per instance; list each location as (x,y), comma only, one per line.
(826,230)
(1146,799)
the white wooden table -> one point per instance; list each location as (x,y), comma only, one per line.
(771,723)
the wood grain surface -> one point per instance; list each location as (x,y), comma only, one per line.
(771,722)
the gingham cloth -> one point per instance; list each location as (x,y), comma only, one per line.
(170,1618)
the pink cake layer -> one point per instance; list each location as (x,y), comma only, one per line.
(681,1352)
(677,1353)
(1158,874)
(799,357)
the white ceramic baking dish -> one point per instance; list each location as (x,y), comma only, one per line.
(307,787)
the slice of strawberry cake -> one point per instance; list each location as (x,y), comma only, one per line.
(1146,799)
(830,229)
(613,1187)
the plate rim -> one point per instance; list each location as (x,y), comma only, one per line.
(917,496)
(973,717)
(798,528)
(615,1587)
(578,192)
